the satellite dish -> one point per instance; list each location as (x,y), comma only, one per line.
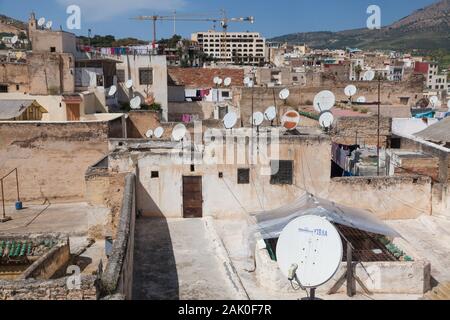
(314,245)
(271,113)
(324,101)
(247,80)
(158,132)
(350,90)
(257,118)
(41,22)
(434,100)
(290,120)
(284,94)
(129,84)
(14,39)
(250,84)
(369,75)
(135,103)
(326,119)
(230,120)
(217,80)
(149,133)
(361,100)
(49,24)
(227,82)
(112,91)
(178,132)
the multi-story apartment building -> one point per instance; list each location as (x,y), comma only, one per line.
(247,48)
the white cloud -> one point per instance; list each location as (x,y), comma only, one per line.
(98,10)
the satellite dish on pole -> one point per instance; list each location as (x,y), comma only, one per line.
(227,82)
(135,103)
(112,91)
(178,132)
(149,133)
(312,247)
(361,100)
(324,101)
(284,94)
(290,120)
(326,119)
(41,22)
(369,75)
(129,84)
(434,101)
(257,119)
(230,120)
(158,132)
(271,113)
(350,90)
(49,24)
(14,39)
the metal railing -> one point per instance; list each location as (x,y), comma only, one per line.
(4,218)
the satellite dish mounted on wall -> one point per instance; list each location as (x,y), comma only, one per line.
(270,114)
(135,103)
(369,75)
(112,91)
(309,251)
(149,133)
(284,94)
(350,91)
(324,101)
(129,84)
(158,132)
(290,120)
(227,82)
(41,22)
(179,132)
(230,120)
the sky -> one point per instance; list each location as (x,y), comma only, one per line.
(272,18)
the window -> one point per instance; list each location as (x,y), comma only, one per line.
(146,76)
(17,87)
(243,176)
(192,168)
(225,94)
(120,76)
(155,174)
(3,88)
(52,49)
(284,173)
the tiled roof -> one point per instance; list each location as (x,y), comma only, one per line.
(196,78)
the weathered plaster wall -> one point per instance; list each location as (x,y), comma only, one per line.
(139,122)
(361,130)
(13,74)
(51,157)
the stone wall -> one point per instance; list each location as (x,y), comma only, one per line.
(139,122)
(51,157)
(117,277)
(361,130)
(389,198)
(13,74)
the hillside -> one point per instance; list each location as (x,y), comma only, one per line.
(427,29)
(10,25)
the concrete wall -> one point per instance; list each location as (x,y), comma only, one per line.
(361,130)
(47,265)
(389,198)
(64,42)
(204,110)
(51,157)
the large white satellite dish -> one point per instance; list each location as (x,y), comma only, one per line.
(149,133)
(41,22)
(326,119)
(284,94)
(129,84)
(158,132)
(230,120)
(257,118)
(112,91)
(227,81)
(271,113)
(178,132)
(290,120)
(14,39)
(135,103)
(361,100)
(324,101)
(247,80)
(314,245)
(369,75)
(350,90)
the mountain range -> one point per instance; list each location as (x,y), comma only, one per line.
(425,29)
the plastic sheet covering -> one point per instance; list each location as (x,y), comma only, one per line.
(270,224)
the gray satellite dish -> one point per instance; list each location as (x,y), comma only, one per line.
(178,132)
(112,91)
(369,75)
(313,247)
(135,103)
(271,113)
(158,132)
(129,84)
(326,119)
(257,119)
(41,22)
(230,120)
(350,90)
(324,101)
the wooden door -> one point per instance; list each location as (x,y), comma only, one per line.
(73,112)
(192,197)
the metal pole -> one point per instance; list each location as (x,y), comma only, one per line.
(3,201)
(349,270)
(378,128)
(17,185)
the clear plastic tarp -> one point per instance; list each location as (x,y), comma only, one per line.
(270,224)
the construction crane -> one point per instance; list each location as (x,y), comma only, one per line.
(224,22)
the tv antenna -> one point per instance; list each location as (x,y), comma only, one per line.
(309,252)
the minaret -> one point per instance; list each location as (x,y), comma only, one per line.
(32,23)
